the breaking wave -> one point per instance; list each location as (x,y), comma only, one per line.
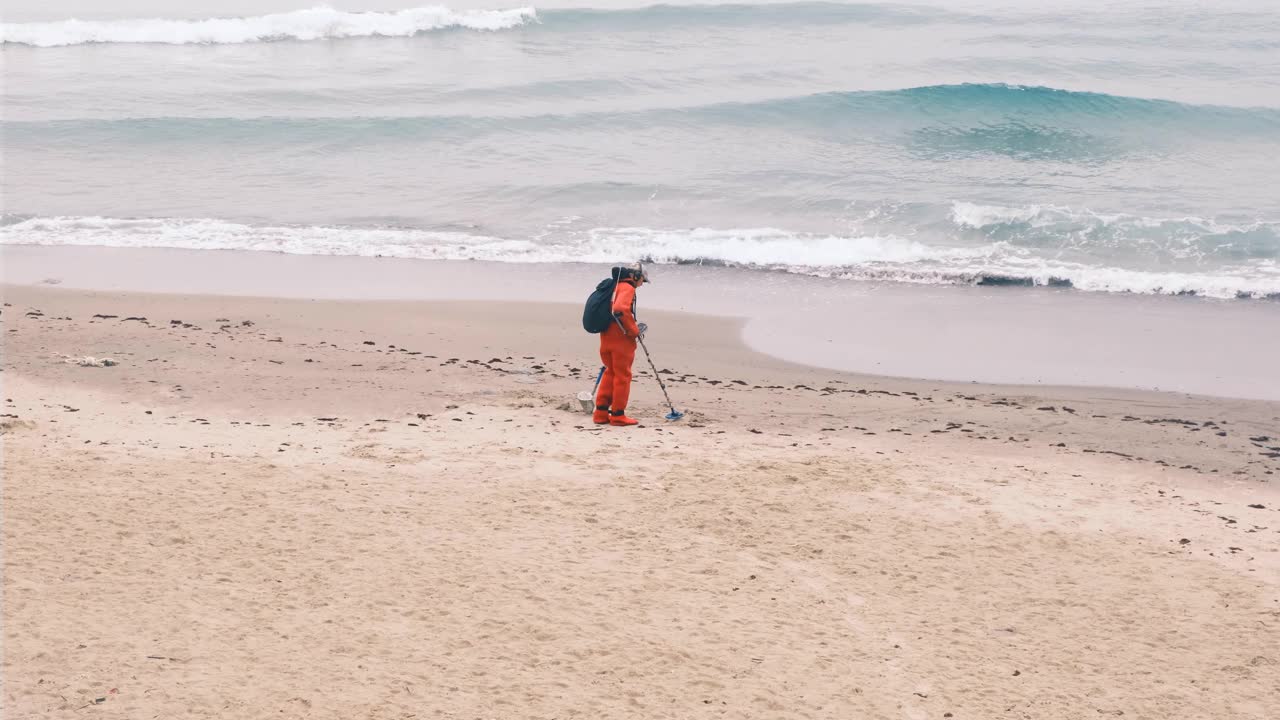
(879,258)
(317,23)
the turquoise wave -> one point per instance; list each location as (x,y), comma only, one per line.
(940,122)
(939,107)
(980,104)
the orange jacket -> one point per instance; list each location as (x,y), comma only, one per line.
(624,309)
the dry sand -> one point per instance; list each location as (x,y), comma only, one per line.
(281,508)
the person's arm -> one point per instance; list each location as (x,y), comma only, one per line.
(622,302)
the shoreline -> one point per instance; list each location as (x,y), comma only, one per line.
(1036,338)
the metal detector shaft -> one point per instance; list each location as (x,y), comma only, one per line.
(654,368)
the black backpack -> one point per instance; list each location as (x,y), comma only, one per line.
(598,313)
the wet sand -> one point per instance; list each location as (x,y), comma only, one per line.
(1022,336)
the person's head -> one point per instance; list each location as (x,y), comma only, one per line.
(634,274)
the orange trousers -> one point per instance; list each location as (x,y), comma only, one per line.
(617,352)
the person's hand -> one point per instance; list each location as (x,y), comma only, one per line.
(643,329)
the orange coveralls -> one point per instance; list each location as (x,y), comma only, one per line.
(618,350)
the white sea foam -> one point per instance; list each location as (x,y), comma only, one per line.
(759,247)
(972,215)
(314,24)
(881,258)
(766,247)
(1224,283)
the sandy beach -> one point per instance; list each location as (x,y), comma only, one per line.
(275,507)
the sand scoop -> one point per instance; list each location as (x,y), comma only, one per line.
(588,399)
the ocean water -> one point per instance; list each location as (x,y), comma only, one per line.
(1101,146)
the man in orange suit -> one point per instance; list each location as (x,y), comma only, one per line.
(618,349)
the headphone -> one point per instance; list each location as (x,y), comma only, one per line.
(635,272)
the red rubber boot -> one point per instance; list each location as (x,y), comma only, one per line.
(618,418)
